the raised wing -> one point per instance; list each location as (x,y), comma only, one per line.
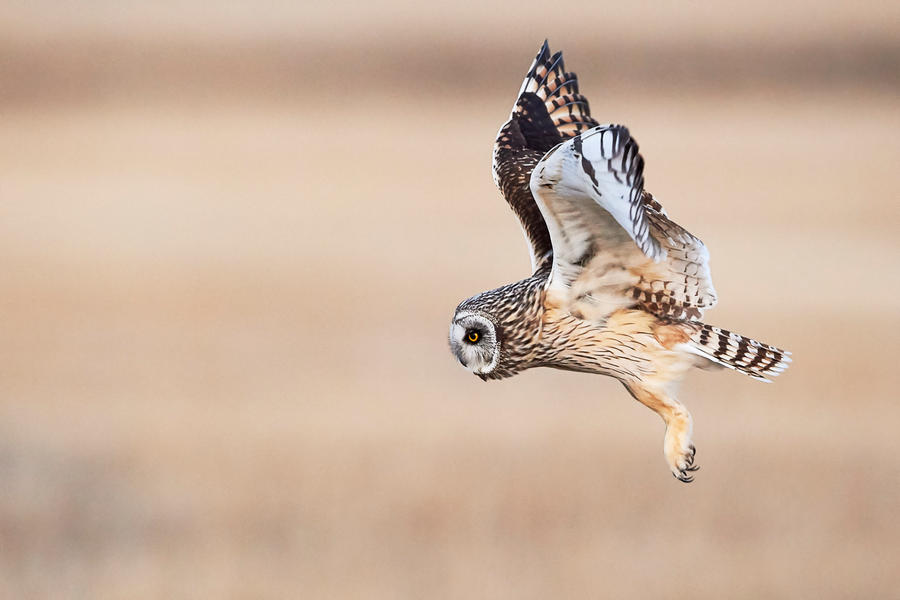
(613,245)
(548,110)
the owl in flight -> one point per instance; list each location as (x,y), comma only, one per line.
(617,288)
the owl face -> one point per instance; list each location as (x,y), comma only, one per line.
(473,340)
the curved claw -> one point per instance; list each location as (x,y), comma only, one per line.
(683,478)
(683,473)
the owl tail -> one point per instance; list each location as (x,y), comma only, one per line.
(759,361)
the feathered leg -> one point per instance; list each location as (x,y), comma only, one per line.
(677,445)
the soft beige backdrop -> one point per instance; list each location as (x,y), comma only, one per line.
(231,240)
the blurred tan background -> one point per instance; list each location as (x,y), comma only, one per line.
(231,239)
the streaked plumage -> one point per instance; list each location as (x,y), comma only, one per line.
(617,287)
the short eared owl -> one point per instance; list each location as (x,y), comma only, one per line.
(617,287)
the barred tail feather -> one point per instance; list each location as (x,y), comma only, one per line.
(759,361)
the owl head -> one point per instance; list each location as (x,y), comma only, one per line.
(474,342)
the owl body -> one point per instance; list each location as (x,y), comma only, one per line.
(537,331)
(617,287)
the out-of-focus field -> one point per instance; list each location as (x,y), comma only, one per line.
(224,303)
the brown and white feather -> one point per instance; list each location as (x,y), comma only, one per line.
(548,110)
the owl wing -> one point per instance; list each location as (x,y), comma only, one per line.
(548,110)
(613,244)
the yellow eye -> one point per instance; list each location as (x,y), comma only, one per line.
(472,336)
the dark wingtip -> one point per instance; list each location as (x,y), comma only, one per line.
(545,49)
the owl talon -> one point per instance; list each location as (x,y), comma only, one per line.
(683,477)
(679,451)
(689,457)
